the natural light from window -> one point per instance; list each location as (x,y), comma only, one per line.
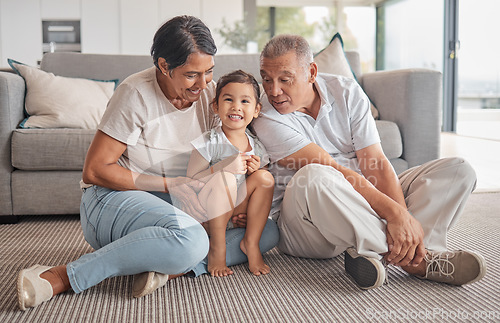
(357,30)
(479,70)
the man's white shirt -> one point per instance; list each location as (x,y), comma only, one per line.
(343,126)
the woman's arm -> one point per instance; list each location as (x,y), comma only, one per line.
(101,168)
(199,168)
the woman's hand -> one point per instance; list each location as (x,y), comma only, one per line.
(405,240)
(253,164)
(238,164)
(239,220)
(184,192)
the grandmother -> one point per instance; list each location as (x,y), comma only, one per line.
(134,169)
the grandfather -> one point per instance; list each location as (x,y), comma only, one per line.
(335,189)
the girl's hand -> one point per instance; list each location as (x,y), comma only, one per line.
(184,192)
(253,164)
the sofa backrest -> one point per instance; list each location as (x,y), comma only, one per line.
(94,66)
(108,67)
(225,63)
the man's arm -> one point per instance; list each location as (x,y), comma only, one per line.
(404,233)
(378,170)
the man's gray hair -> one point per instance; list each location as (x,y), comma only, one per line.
(282,44)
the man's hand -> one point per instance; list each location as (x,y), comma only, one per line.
(253,164)
(405,240)
(185,191)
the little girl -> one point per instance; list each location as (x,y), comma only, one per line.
(225,158)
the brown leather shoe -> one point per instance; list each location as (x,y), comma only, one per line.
(147,282)
(457,267)
(31,289)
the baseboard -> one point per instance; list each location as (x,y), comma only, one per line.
(9,219)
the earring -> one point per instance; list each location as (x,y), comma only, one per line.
(165,73)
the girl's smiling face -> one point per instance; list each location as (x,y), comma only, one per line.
(237,106)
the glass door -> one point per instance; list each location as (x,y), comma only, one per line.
(478,108)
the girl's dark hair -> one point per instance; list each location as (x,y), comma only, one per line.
(238,76)
(178,38)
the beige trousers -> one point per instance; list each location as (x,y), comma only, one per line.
(322,215)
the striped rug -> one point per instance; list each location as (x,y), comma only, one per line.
(297,290)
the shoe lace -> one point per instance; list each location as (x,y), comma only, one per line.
(439,263)
(385,264)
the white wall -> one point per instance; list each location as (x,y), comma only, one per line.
(21,31)
(107,26)
(139,22)
(100,27)
(60,9)
(168,10)
(128,26)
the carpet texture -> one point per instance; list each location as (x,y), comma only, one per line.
(296,290)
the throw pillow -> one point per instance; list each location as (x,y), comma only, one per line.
(62,102)
(332,60)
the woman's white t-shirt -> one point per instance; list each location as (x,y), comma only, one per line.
(158,135)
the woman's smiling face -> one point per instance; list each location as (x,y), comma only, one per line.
(186,82)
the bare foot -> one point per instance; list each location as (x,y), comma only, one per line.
(58,278)
(217,263)
(255,261)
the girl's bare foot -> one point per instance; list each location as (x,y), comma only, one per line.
(255,261)
(217,263)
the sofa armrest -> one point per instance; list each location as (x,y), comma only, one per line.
(12,90)
(412,99)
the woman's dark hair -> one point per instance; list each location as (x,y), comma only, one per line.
(178,38)
(238,76)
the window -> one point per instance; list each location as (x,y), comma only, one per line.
(478,113)
(413,35)
(318,24)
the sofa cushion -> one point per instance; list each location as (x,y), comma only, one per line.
(392,144)
(399,165)
(50,149)
(49,192)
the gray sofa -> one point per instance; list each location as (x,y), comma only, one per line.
(40,169)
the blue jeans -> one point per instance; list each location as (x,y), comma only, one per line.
(136,231)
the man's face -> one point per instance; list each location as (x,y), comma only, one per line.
(287,83)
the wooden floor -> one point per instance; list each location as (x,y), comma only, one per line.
(482,154)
